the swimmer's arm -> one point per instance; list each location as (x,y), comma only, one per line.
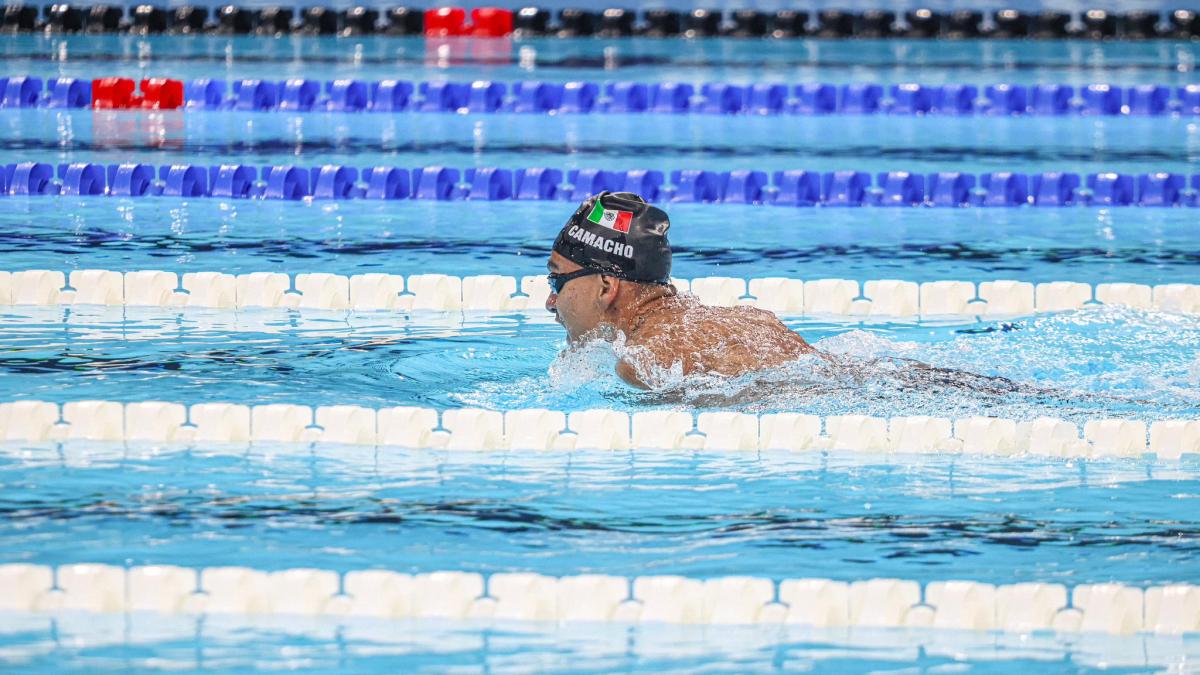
(626,371)
(641,356)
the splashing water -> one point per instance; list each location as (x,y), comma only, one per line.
(1095,362)
(579,366)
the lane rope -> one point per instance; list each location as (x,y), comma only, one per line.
(596,429)
(1021,608)
(877,298)
(446,25)
(583,97)
(792,187)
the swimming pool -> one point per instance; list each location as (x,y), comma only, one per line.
(842,511)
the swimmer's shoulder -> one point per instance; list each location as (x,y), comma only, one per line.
(628,372)
(760,326)
(737,319)
(696,322)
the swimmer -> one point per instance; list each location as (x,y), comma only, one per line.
(610,279)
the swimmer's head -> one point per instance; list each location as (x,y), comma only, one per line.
(620,235)
(612,239)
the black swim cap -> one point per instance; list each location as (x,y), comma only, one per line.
(621,235)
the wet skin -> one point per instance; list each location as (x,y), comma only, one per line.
(665,329)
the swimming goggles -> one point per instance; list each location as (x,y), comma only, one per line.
(558,281)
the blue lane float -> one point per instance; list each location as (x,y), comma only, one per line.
(285,182)
(844,188)
(1150,99)
(1111,189)
(1055,189)
(951,189)
(298,95)
(645,182)
(252,95)
(794,187)
(860,99)
(132,180)
(1004,188)
(1160,189)
(955,99)
(911,99)
(390,95)
(489,184)
(537,183)
(1101,99)
(745,187)
(1005,99)
(579,97)
(203,94)
(721,99)
(348,95)
(183,180)
(386,182)
(437,183)
(815,99)
(1051,99)
(697,186)
(234,181)
(901,188)
(626,97)
(534,97)
(67,92)
(82,179)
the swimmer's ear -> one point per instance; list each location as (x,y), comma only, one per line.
(608,288)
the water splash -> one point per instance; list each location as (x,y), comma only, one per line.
(1096,362)
(578,366)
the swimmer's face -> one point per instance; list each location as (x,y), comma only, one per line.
(583,303)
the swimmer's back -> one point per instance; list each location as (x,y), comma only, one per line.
(728,341)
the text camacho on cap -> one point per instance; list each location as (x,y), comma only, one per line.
(619,234)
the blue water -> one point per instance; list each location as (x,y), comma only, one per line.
(1052,364)
(235,646)
(870,143)
(1091,245)
(708,60)
(776,514)
(845,515)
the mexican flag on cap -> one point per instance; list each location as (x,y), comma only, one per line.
(610,218)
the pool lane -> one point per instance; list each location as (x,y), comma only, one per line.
(873,143)
(1072,62)
(1100,362)
(778,515)
(1087,244)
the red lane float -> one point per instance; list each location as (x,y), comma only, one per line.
(160,93)
(118,93)
(491,22)
(112,93)
(445,22)
(452,22)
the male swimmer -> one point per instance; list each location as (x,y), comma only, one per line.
(610,279)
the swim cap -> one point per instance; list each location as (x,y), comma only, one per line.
(619,234)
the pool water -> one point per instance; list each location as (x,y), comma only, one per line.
(553,59)
(232,646)
(840,514)
(1090,245)
(774,514)
(1092,363)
